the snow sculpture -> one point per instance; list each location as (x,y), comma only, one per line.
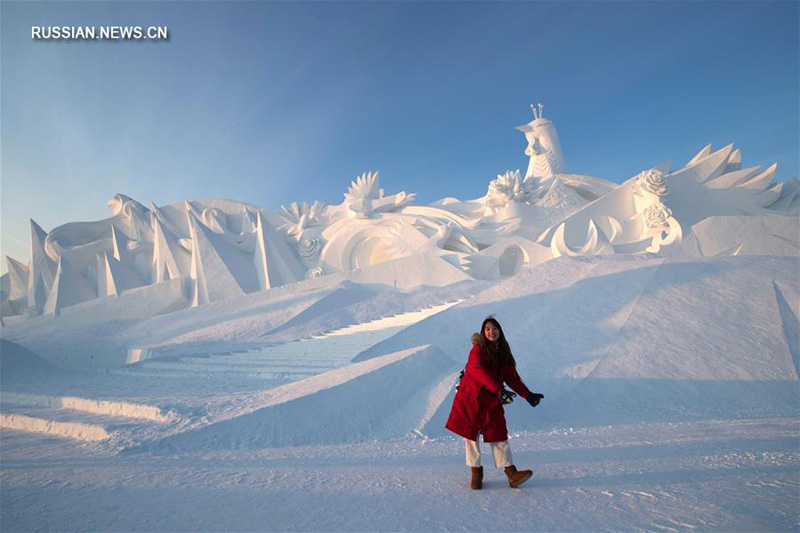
(41,272)
(215,249)
(301,216)
(509,189)
(365,197)
(274,261)
(69,288)
(544,148)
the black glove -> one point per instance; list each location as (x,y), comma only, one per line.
(506,396)
(534,398)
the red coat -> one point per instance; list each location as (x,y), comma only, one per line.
(476,407)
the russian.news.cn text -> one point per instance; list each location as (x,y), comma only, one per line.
(100,33)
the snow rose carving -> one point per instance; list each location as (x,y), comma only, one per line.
(657,215)
(315,273)
(309,247)
(653,182)
(507,188)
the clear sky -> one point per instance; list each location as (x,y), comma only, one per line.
(275,102)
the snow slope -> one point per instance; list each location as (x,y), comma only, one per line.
(616,338)
(657,339)
(671,404)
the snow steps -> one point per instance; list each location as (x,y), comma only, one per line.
(326,408)
(183,371)
(283,363)
(398,321)
(76,418)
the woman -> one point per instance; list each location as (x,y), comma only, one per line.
(478,405)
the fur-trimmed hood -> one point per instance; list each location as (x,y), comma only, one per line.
(477,339)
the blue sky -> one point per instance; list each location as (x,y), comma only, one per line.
(275,102)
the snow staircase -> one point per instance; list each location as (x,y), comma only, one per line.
(82,419)
(282,363)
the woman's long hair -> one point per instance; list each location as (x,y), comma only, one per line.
(498,353)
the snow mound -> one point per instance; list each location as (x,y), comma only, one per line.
(361,401)
(633,338)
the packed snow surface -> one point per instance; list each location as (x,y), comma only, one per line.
(671,404)
(723,475)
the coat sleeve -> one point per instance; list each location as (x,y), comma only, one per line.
(477,371)
(515,382)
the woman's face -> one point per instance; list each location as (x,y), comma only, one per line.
(491,332)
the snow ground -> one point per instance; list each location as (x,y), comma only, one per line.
(323,410)
(725,475)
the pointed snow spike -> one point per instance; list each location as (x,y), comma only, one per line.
(777,189)
(274,261)
(248,222)
(199,289)
(265,279)
(69,288)
(111,289)
(120,243)
(165,222)
(725,153)
(794,205)
(165,246)
(762,181)
(268,276)
(120,277)
(735,162)
(705,169)
(42,269)
(732,178)
(700,155)
(220,270)
(788,195)
(768,196)
(18,278)
(191,211)
(102,274)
